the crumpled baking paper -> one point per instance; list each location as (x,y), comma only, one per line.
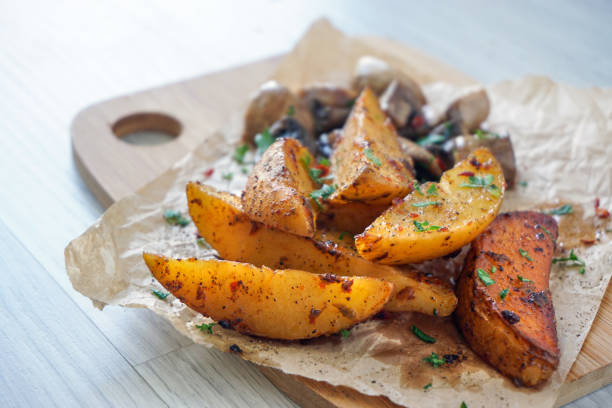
(563,143)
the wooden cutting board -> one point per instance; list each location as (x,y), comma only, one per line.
(189,110)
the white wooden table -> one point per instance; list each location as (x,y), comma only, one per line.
(55,348)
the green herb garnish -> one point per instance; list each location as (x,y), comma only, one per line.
(484,277)
(431,139)
(523,184)
(463,405)
(244,170)
(291,110)
(240,152)
(523,279)
(525,254)
(435,360)
(324,162)
(345,333)
(426,203)
(432,190)
(160,294)
(206,327)
(424,226)
(573,258)
(323,193)
(564,209)
(227,176)
(419,333)
(263,140)
(427,386)
(175,218)
(503,294)
(417,188)
(485,181)
(546,231)
(493,269)
(435,312)
(370,155)
(202,243)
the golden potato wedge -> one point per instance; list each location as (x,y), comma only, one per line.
(287,304)
(438,218)
(278,188)
(368,163)
(351,217)
(505,308)
(222,223)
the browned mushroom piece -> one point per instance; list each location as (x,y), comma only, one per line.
(289,127)
(377,74)
(499,145)
(400,102)
(425,164)
(271,103)
(469,111)
(327,142)
(329,105)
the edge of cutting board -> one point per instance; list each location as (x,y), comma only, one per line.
(113,169)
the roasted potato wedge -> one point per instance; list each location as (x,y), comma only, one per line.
(368,163)
(222,223)
(351,217)
(507,316)
(287,304)
(438,218)
(276,193)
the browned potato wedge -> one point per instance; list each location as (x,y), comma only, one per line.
(276,193)
(438,218)
(506,314)
(286,304)
(222,223)
(368,163)
(351,217)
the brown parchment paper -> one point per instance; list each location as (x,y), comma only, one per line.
(563,143)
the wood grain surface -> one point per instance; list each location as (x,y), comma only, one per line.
(58,57)
(103,158)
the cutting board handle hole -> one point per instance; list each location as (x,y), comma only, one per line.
(147,128)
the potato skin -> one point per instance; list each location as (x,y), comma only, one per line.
(352,217)
(516,335)
(222,223)
(276,193)
(460,213)
(368,163)
(288,304)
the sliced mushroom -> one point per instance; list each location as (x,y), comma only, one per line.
(377,74)
(401,103)
(329,105)
(469,111)
(291,128)
(425,164)
(327,142)
(271,103)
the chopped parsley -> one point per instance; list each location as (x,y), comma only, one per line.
(323,193)
(263,140)
(493,269)
(324,162)
(523,279)
(291,110)
(426,203)
(240,152)
(417,188)
(227,176)
(160,294)
(202,243)
(370,155)
(573,258)
(427,386)
(503,294)
(432,190)
(343,234)
(525,254)
(523,184)
(463,405)
(485,182)
(484,277)
(345,333)
(244,170)
(546,231)
(424,226)
(419,333)
(175,218)
(564,209)
(435,360)
(431,139)
(435,312)
(206,327)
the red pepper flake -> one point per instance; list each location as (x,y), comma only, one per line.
(235,285)
(440,163)
(208,173)
(443,229)
(397,201)
(400,228)
(346,285)
(467,174)
(324,169)
(417,121)
(587,241)
(413,215)
(601,212)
